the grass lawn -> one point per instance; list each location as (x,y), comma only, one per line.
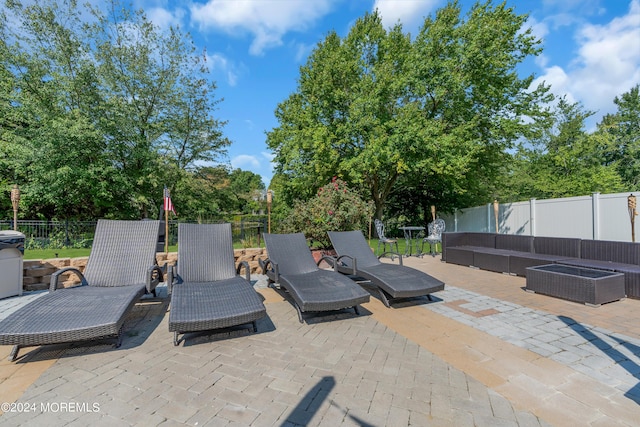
(76,253)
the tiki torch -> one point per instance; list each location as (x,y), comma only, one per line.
(433,212)
(269,201)
(631,205)
(496,209)
(15,201)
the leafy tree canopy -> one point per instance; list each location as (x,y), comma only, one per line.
(100,110)
(377,106)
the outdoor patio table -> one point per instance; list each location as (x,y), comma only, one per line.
(585,285)
(408,235)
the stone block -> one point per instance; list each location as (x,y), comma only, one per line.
(80,263)
(39,271)
(26,280)
(254,252)
(57,262)
(31,263)
(247,258)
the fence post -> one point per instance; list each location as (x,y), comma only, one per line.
(489,208)
(595,203)
(532,216)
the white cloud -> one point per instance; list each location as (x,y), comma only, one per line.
(245,161)
(538,29)
(267,20)
(303,50)
(411,13)
(220,63)
(269,156)
(607,63)
(164,18)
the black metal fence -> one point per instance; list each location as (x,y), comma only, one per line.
(79,234)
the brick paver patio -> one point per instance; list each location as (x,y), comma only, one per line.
(485,353)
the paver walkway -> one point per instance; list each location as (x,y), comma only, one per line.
(486,353)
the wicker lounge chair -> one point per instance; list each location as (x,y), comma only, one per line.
(393,281)
(206,289)
(119,271)
(291,266)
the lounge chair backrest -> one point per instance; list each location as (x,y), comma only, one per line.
(122,252)
(205,252)
(290,252)
(354,244)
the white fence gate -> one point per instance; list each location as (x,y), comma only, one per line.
(598,217)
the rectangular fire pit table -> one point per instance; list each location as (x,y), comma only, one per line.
(585,285)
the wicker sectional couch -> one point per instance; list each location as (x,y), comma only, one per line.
(512,254)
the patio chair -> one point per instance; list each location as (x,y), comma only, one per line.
(435,229)
(393,281)
(382,238)
(121,268)
(291,266)
(206,289)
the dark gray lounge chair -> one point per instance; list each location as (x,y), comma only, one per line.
(206,289)
(291,266)
(393,281)
(119,271)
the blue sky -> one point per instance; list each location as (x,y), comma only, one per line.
(255,48)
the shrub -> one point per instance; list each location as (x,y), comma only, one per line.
(333,208)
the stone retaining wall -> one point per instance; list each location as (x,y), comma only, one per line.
(37,273)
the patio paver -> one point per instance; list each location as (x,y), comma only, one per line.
(483,354)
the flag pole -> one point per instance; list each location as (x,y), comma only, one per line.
(166,232)
(166,222)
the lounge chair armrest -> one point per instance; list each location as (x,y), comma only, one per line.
(329,260)
(354,262)
(247,270)
(154,276)
(273,272)
(393,254)
(53,285)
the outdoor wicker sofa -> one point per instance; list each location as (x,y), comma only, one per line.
(392,281)
(121,268)
(291,266)
(513,254)
(206,289)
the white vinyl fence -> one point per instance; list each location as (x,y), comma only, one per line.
(598,217)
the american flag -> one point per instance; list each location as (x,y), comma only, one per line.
(168,206)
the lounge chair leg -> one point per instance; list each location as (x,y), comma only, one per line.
(14,353)
(355,308)
(176,341)
(299,314)
(384,299)
(429,297)
(119,339)
(255,326)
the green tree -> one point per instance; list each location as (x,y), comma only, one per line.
(624,128)
(376,106)
(110,109)
(246,187)
(566,161)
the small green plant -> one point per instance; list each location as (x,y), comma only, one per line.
(333,208)
(249,242)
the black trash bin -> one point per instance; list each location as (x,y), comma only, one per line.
(11,254)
